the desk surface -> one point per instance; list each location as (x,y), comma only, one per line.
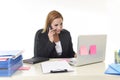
(88,72)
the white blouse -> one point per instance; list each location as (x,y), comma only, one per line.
(58,47)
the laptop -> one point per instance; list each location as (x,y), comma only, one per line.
(90,49)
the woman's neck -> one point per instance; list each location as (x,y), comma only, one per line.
(56,38)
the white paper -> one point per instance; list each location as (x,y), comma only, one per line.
(55,65)
(10,54)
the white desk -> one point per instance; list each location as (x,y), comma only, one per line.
(88,72)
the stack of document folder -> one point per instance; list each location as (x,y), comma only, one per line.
(113,69)
(10,61)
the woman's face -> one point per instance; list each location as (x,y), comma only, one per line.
(57,25)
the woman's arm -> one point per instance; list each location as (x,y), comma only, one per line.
(67,45)
(42,45)
(71,51)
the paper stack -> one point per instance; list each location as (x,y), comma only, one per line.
(56,66)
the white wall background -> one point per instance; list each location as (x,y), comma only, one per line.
(20,19)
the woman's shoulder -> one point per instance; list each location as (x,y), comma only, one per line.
(39,32)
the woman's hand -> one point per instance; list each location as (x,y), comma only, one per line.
(75,56)
(51,35)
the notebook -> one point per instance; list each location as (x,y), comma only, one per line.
(35,60)
(90,49)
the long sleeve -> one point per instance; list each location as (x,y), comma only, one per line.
(42,45)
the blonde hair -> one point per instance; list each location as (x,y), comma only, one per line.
(50,17)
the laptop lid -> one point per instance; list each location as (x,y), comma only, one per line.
(90,49)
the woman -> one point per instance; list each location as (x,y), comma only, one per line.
(53,41)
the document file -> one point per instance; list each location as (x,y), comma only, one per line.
(113,69)
(10,54)
(56,66)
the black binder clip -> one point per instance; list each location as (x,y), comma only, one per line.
(58,71)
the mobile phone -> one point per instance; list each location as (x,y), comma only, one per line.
(50,27)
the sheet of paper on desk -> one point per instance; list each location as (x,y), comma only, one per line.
(61,65)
